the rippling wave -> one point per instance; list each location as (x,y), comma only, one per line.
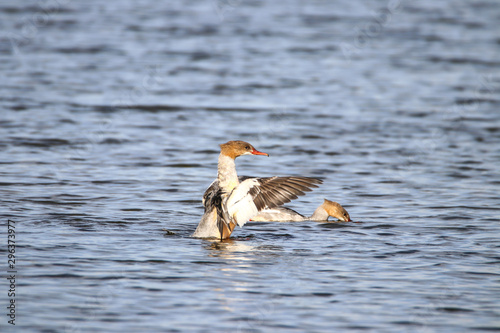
(109,131)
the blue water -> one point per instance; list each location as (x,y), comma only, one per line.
(111,116)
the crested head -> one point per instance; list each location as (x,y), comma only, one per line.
(237,148)
(334,209)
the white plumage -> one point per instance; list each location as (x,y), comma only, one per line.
(229,203)
(240,204)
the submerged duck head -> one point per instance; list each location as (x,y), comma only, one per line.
(334,209)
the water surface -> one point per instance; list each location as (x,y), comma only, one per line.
(111,116)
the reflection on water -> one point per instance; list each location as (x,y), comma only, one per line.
(109,131)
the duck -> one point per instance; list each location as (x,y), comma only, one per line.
(321,214)
(230,201)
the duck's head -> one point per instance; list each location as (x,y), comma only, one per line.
(334,209)
(237,148)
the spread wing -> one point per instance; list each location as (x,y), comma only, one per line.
(210,193)
(255,194)
(212,201)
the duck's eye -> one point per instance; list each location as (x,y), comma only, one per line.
(247,147)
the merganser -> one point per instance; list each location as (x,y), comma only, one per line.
(322,213)
(229,203)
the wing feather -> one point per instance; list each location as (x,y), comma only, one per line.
(255,194)
(209,194)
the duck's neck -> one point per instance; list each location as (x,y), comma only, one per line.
(319,214)
(226,173)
